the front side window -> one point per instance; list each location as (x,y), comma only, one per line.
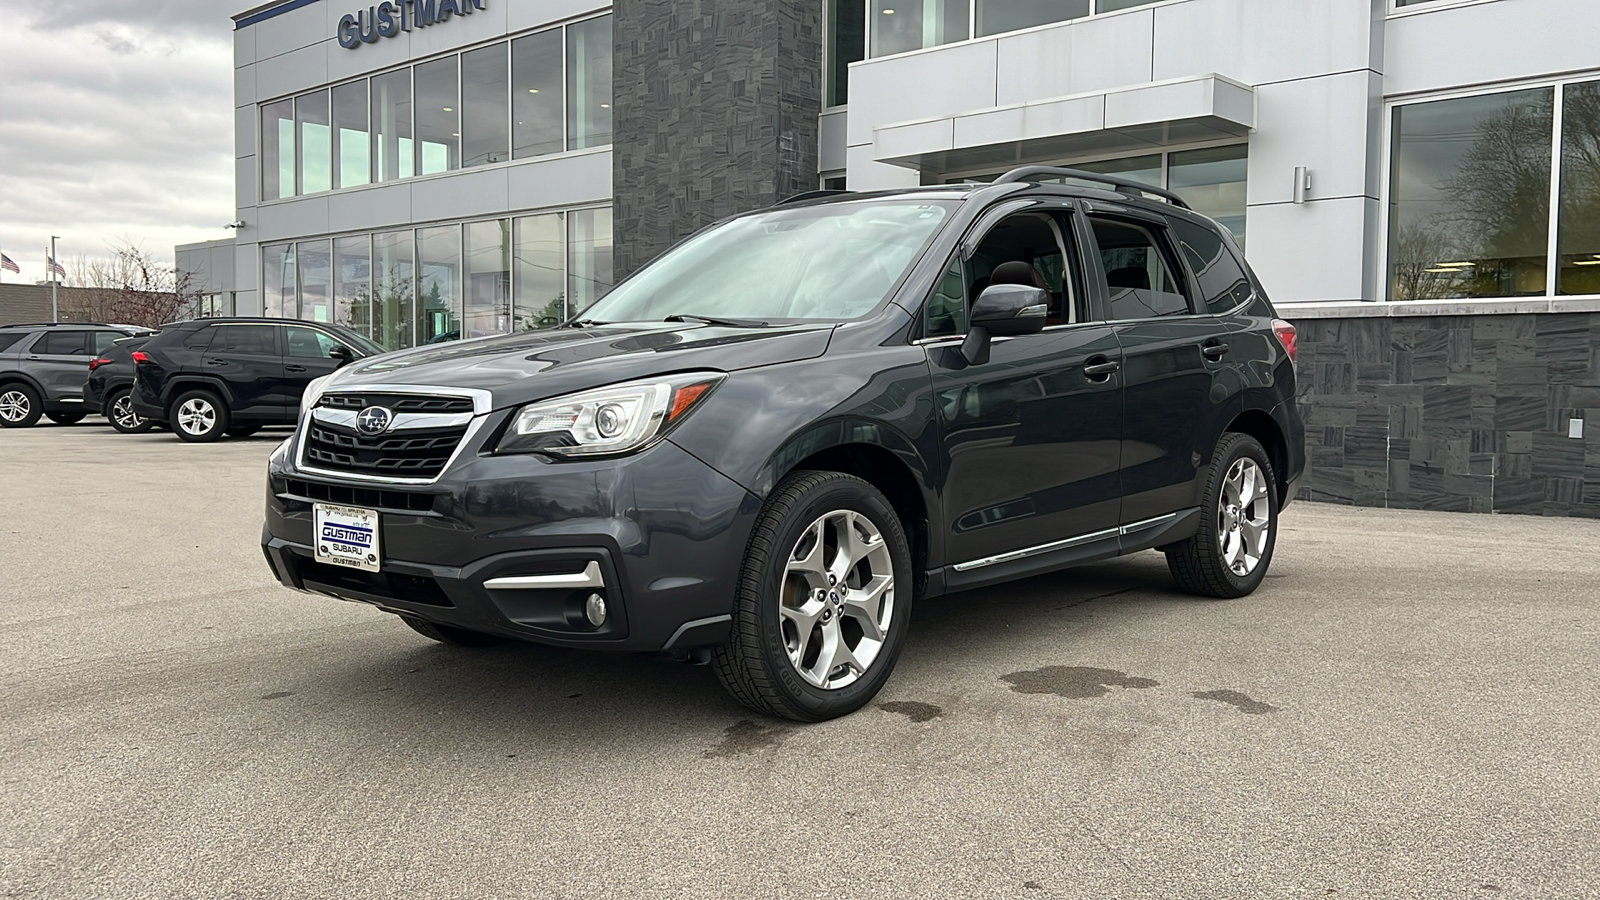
(1139,280)
(308,343)
(1469,196)
(1026,248)
(834,261)
(1223,285)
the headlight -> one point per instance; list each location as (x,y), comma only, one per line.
(608,421)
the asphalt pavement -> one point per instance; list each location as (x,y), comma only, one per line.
(1408,707)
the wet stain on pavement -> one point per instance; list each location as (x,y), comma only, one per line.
(1236,699)
(913,710)
(1074,682)
(277,695)
(746,737)
(1033,885)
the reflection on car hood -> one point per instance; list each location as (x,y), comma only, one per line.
(534,365)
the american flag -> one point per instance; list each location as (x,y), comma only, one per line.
(54,268)
(8,265)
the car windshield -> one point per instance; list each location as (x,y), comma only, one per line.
(832,261)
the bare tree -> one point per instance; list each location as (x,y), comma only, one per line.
(132,287)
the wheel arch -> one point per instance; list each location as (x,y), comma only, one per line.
(181,384)
(1260,425)
(22,378)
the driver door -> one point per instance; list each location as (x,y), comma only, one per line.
(1030,439)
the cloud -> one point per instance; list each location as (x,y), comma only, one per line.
(117,125)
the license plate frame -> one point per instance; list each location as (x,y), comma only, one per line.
(347,536)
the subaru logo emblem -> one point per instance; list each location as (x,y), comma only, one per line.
(374,420)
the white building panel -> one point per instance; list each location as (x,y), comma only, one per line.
(292,220)
(1319,123)
(940,82)
(1262,41)
(1439,49)
(559,181)
(297,70)
(370,208)
(1075,58)
(1311,251)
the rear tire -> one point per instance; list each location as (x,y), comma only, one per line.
(19,405)
(199,417)
(1230,554)
(449,634)
(823,602)
(65,418)
(119,412)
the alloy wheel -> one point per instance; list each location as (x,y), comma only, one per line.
(14,406)
(196,416)
(837,604)
(122,413)
(1243,517)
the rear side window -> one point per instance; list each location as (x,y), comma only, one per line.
(64,343)
(104,339)
(257,339)
(200,339)
(1223,285)
(1140,281)
(7,340)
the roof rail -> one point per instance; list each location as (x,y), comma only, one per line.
(1122,185)
(45,324)
(809,195)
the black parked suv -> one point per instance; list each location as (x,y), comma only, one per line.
(42,368)
(762,448)
(109,388)
(211,377)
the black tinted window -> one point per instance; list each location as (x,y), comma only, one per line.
(1223,284)
(6,340)
(1139,280)
(201,338)
(104,339)
(258,339)
(309,344)
(64,343)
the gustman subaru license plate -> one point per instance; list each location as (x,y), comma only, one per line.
(347,536)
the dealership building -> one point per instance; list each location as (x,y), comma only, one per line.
(1417,182)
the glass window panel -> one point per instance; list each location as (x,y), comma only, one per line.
(391,126)
(997,16)
(541,272)
(947,306)
(1212,182)
(261,340)
(536,93)
(439,283)
(309,343)
(394,288)
(1146,169)
(1223,284)
(1139,281)
(488,283)
(485,106)
(316,142)
(316,281)
(1105,6)
(352,283)
(589,83)
(847,43)
(277,150)
(277,281)
(352,146)
(1578,234)
(438,117)
(901,25)
(589,257)
(1469,199)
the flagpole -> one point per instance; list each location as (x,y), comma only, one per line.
(55,309)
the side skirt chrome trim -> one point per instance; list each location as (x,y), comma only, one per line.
(1026,552)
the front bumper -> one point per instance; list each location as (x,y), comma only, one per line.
(498,543)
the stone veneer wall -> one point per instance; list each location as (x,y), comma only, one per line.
(715,113)
(1465,413)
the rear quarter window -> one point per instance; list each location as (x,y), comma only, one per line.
(9,340)
(1223,284)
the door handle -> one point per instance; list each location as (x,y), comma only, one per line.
(216,362)
(1214,350)
(1100,368)
(294,368)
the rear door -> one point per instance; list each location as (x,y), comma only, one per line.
(1173,356)
(246,356)
(59,359)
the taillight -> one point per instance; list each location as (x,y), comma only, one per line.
(97,363)
(140,358)
(1286,336)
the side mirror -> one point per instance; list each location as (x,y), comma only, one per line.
(341,353)
(1003,310)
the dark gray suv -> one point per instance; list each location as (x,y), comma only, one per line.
(43,368)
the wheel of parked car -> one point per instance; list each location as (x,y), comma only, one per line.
(119,412)
(19,405)
(448,634)
(823,603)
(64,418)
(241,431)
(1229,556)
(199,417)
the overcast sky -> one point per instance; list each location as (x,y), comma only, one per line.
(116,122)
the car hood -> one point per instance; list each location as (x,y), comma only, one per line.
(535,365)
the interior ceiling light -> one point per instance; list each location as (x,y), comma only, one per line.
(1458,264)
(533,90)
(888,12)
(448,109)
(1587,262)
(605,106)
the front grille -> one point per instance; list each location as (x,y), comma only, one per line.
(413,453)
(360,496)
(400,403)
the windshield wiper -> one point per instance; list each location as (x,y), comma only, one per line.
(726,323)
(585,323)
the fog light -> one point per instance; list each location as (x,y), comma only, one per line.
(595,609)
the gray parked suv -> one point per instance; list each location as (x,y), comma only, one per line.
(43,367)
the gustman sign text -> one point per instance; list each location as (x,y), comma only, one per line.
(391,17)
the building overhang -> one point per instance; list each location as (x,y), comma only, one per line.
(1131,120)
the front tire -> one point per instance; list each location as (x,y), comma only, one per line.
(199,417)
(119,412)
(1230,554)
(823,602)
(19,406)
(449,634)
